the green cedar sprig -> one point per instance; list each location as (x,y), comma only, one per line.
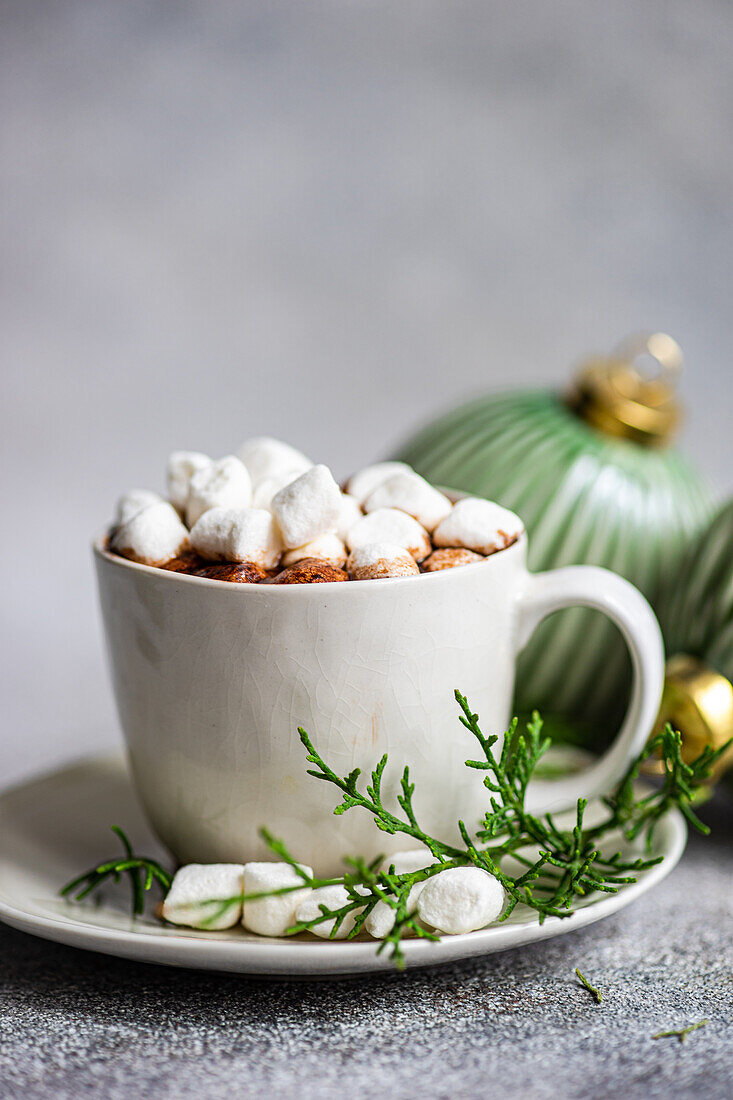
(142,872)
(563,864)
(595,993)
(556,864)
(681,1033)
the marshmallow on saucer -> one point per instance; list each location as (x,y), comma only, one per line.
(133,502)
(449,559)
(328,547)
(349,512)
(460,900)
(222,484)
(237,534)
(205,882)
(307,507)
(404,863)
(333,897)
(381,920)
(274,915)
(361,484)
(182,465)
(410,493)
(479,525)
(266,457)
(380,560)
(152,536)
(390,525)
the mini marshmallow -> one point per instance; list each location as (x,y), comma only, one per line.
(363,483)
(393,526)
(412,494)
(381,920)
(203,882)
(233,572)
(266,457)
(222,484)
(153,536)
(412,859)
(333,897)
(479,525)
(237,534)
(133,502)
(380,560)
(266,489)
(460,900)
(307,507)
(349,513)
(450,559)
(182,465)
(311,571)
(328,547)
(274,915)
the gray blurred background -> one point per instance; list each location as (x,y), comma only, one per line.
(327,222)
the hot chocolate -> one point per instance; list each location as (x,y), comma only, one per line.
(268,515)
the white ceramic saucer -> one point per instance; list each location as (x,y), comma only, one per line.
(57,826)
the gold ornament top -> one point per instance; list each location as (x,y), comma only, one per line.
(698,701)
(617,395)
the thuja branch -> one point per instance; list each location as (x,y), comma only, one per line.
(595,993)
(142,872)
(555,864)
(558,864)
(682,1033)
(634,816)
(386,821)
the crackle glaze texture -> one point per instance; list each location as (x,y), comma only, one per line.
(213,680)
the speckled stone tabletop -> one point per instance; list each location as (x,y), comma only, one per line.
(514,1025)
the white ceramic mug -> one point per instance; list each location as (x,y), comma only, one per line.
(213,679)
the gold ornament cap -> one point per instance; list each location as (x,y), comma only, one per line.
(618,395)
(698,701)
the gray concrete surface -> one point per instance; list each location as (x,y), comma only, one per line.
(514,1026)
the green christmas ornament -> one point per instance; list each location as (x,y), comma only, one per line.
(696,613)
(696,606)
(594,479)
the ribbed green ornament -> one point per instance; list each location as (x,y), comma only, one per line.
(591,489)
(696,614)
(696,606)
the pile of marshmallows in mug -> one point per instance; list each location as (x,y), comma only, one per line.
(270,507)
(455,901)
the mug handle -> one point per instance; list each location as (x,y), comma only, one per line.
(591,586)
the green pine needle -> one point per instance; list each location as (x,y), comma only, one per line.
(682,1033)
(556,865)
(595,993)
